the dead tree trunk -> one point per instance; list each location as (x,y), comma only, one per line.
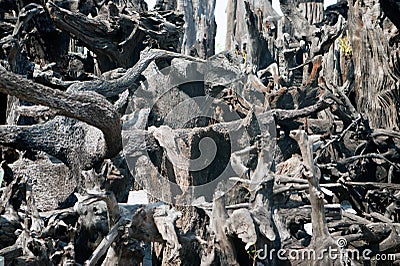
(251,31)
(198,37)
(376,83)
(200,27)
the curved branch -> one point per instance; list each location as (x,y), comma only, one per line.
(127,81)
(88,107)
(80,102)
(96,34)
(282,114)
(117,39)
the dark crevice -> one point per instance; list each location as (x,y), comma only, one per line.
(3,108)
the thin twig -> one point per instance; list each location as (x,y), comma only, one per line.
(337,138)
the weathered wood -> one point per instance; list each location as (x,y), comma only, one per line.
(86,106)
(200,28)
(372,70)
(225,249)
(102,34)
(74,75)
(320,229)
(251,26)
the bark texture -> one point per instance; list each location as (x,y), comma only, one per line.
(100,99)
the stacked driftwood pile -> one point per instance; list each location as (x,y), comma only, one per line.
(315,95)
